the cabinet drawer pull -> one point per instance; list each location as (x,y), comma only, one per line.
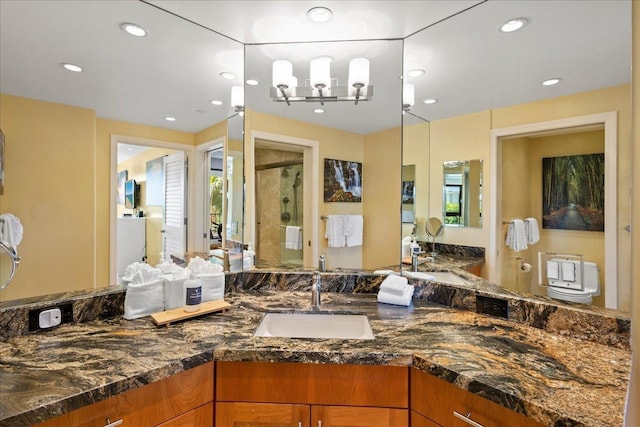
(299,423)
(467,419)
(115,423)
(319,423)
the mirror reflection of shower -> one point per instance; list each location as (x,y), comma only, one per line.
(279,206)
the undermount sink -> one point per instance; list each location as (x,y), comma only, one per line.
(438,276)
(315,325)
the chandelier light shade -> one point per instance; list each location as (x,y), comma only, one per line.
(320,86)
(282,73)
(408,96)
(237,98)
(320,74)
(358,76)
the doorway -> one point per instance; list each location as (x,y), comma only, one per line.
(497,257)
(294,167)
(140,216)
(279,206)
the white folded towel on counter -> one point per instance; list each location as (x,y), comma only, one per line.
(404,298)
(394,284)
(143,299)
(395,290)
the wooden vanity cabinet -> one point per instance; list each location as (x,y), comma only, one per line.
(440,401)
(278,394)
(181,400)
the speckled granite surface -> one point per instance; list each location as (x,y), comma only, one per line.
(553,379)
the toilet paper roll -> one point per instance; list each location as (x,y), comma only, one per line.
(526,267)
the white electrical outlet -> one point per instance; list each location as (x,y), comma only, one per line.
(49,318)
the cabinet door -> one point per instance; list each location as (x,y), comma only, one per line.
(148,405)
(356,416)
(237,414)
(202,416)
(452,406)
(418,420)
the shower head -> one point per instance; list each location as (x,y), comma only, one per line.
(298,181)
(285,172)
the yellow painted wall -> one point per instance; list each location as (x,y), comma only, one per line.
(334,144)
(49,185)
(516,181)
(381,198)
(212,132)
(415,151)
(460,138)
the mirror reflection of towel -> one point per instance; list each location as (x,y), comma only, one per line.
(353,227)
(293,238)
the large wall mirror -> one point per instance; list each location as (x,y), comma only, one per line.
(479,81)
(311,160)
(63,130)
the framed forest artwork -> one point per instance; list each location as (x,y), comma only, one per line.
(573,192)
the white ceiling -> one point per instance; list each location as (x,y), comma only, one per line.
(175,70)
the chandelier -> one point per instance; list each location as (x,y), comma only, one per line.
(321,87)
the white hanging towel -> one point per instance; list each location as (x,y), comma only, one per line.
(11,230)
(532,230)
(334,232)
(293,238)
(353,228)
(516,236)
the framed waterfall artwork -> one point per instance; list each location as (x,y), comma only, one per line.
(342,181)
(573,192)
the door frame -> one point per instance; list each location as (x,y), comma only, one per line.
(311,165)
(113,193)
(610,122)
(201,191)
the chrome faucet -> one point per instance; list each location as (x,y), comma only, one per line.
(415,261)
(315,293)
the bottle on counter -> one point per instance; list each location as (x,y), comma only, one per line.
(415,247)
(192,295)
(249,257)
(322,264)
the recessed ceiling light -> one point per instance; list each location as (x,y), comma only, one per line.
(170,119)
(415,73)
(318,110)
(512,25)
(430,101)
(227,75)
(133,29)
(551,82)
(253,82)
(72,67)
(319,14)
(216,102)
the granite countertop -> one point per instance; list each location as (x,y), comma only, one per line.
(551,378)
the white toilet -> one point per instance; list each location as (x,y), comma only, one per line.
(566,284)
